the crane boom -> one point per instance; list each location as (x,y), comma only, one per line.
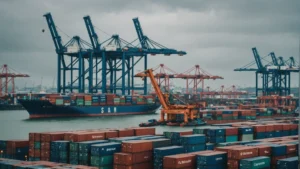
(157,89)
(139,32)
(281,61)
(55,36)
(274,59)
(257,59)
(92,34)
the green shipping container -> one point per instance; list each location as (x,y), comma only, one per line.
(37,145)
(84,156)
(231,138)
(246,137)
(102,160)
(73,147)
(59,101)
(255,163)
(88,103)
(63,155)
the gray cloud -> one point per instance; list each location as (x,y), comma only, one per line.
(218,35)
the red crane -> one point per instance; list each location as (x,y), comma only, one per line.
(195,76)
(9,76)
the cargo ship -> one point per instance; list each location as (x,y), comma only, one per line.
(54,105)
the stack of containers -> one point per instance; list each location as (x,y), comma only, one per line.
(288,163)
(259,131)
(110,99)
(231,134)
(277,130)
(95,100)
(278,152)
(135,154)
(237,153)
(160,153)
(134,99)
(31,147)
(122,100)
(46,139)
(180,161)
(142,131)
(245,133)
(149,99)
(269,131)
(175,136)
(116,100)
(128,99)
(193,143)
(285,130)
(235,115)
(73,100)
(291,149)
(67,100)
(102,99)
(73,154)
(216,159)
(17,149)
(59,151)
(216,135)
(227,115)
(294,129)
(2,148)
(102,155)
(80,100)
(141,100)
(84,151)
(59,101)
(255,162)
(87,100)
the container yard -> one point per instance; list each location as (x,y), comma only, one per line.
(79,88)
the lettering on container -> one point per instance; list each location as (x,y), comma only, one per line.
(246,153)
(115,109)
(292,149)
(102,109)
(97,136)
(108,110)
(219,158)
(110,149)
(146,157)
(266,151)
(184,161)
(258,164)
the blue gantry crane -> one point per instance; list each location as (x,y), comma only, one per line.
(276,78)
(106,65)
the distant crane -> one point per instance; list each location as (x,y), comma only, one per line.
(9,76)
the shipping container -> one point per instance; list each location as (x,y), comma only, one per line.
(136,146)
(133,158)
(255,163)
(105,149)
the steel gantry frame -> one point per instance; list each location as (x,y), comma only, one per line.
(276,78)
(112,60)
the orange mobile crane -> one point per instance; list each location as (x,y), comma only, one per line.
(189,111)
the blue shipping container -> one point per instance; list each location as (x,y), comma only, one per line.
(105,149)
(192,139)
(277,133)
(194,148)
(245,130)
(218,139)
(260,135)
(285,133)
(269,134)
(210,146)
(288,163)
(278,150)
(216,132)
(219,158)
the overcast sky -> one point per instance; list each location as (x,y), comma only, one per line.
(218,35)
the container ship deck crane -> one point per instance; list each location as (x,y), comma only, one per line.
(189,111)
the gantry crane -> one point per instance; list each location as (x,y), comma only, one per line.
(9,77)
(189,111)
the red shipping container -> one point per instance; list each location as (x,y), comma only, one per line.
(37,153)
(31,144)
(37,136)
(31,136)
(111,134)
(54,136)
(277,127)
(17,143)
(45,154)
(31,152)
(135,166)
(136,146)
(291,148)
(264,150)
(269,128)
(234,164)
(259,128)
(88,136)
(43,137)
(201,152)
(179,161)
(132,158)
(227,148)
(239,153)
(45,145)
(286,127)
(45,158)
(184,133)
(125,132)
(144,131)
(293,126)
(291,155)
(230,131)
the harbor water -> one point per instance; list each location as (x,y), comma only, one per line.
(15,124)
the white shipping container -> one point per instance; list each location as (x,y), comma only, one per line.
(110,48)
